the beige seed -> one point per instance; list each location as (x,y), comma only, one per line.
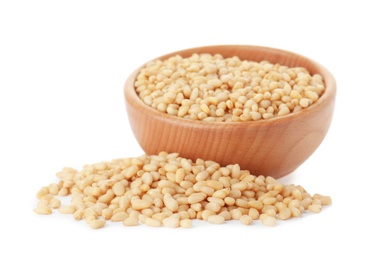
(246,220)
(295,212)
(171,222)
(180,175)
(221,193)
(63,192)
(254,213)
(150,167)
(315,208)
(139,204)
(207,190)
(46,199)
(255,204)
(78,214)
(216,185)
(67,209)
(186,223)
(255,115)
(118,189)
(229,201)
(205,109)
(183,110)
(124,202)
(196,197)
(42,192)
(284,214)
(53,189)
(89,219)
(236,214)
(325,200)
(296,194)
(119,216)
(42,210)
(304,102)
(225,214)
(206,213)
(294,203)
(130,221)
(268,220)
(89,212)
(269,201)
(152,222)
(241,186)
(201,176)
(283,111)
(170,203)
(108,196)
(97,223)
(55,203)
(214,82)
(213,206)
(216,219)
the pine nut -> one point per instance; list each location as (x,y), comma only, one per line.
(67,209)
(172,222)
(186,223)
(130,221)
(119,216)
(168,190)
(216,219)
(274,86)
(97,223)
(246,220)
(43,210)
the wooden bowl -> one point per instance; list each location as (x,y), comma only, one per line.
(273,147)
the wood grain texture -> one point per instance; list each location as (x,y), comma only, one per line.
(273,147)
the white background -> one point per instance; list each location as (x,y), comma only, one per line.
(63,65)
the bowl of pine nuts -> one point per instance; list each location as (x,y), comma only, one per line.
(263,108)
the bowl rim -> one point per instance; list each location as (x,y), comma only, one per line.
(133,98)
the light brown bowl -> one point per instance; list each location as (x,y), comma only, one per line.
(273,147)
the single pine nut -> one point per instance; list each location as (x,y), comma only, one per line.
(315,208)
(55,203)
(268,220)
(172,222)
(43,210)
(139,204)
(67,209)
(97,223)
(284,214)
(186,223)
(118,189)
(246,220)
(78,215)
(216,219)
(196,197)
(152,222)
(130,221)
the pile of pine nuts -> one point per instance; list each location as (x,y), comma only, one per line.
(167,190)
(215,89)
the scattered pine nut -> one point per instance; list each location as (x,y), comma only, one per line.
(97,223)
(131,221)
(216,219)
(42,210)
(246,220)
(164,190)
